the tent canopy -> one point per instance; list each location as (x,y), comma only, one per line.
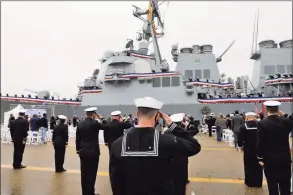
(14,111)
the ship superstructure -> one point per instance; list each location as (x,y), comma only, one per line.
(195,86)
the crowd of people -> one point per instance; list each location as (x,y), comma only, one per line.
(149,154)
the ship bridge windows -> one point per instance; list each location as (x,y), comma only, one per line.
(206,74)
(175,81)
(269,70)
(281,69)
(198,74)
(157,82)
(166,81)
(188,74)
(202,96)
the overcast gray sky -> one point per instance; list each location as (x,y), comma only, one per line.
(55,45)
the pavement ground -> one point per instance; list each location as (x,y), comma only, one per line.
(216,170)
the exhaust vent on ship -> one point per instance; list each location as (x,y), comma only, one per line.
(195,49)
(267,44)
(206,48)
(286,44)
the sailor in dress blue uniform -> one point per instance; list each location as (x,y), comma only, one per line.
(141,160)
(87,146)
(60,142)
(117,129)
(273,148)
(180,163)
(247,140)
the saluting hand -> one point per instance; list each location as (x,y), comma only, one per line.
(261,163)
(166,119)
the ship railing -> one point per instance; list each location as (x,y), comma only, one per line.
(37,98)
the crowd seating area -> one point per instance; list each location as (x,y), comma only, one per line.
(228,136)
(34,137)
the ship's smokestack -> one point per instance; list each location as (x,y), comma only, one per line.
(206,48)
(267,44)
(195,49)
(286,44)
(186,50)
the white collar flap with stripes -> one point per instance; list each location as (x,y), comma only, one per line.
(153,148)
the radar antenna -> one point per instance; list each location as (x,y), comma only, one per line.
(129,44)
(219,59)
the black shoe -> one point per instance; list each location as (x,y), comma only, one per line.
(60,171)
(19,167)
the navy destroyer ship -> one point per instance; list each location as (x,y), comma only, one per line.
(195,87)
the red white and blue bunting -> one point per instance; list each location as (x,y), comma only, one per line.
(243,100)
(278,81)
(90,91)
(39,100)
(145,75)
(206,84)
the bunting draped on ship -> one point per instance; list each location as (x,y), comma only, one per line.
(243,100)
(279,80)
(206,84)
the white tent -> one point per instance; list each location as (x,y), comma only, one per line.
(14,111)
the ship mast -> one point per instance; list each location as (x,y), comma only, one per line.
(254,54)
(149,29)
(154,8)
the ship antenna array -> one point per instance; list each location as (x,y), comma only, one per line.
(255,33)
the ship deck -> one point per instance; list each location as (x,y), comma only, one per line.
(216,170)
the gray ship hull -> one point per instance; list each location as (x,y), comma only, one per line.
(191,109)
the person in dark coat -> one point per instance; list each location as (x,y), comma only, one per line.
(273,148)
(19,132)
(74,121)
(192,127)
(33,123)
(11,119)
(211,121)
(60,142)
(180,163)
(247,140)
(52,122)
(43,122)
(141,160)
(116,130)
(236,122)
(87,146)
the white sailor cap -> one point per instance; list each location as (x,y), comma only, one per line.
(177,117)
(272,103)
(148,102)
(116,113)
(62,117)
(22,111)
(91,109)
(250,114)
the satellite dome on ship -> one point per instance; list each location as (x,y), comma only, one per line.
(108,54)
(43,94)
(143,47)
